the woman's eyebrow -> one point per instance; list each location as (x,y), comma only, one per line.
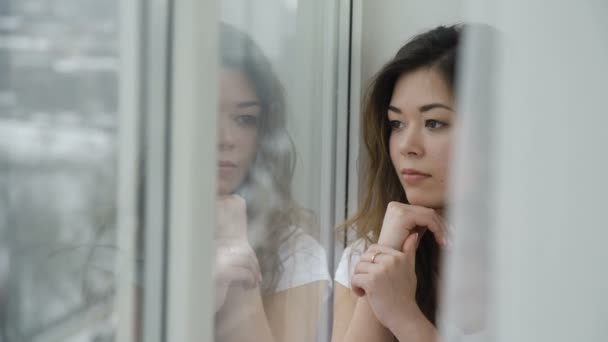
(394,109)
(430,106)
(422,109)
(246,104)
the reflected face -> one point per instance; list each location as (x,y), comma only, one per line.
(422,123)
(239,113)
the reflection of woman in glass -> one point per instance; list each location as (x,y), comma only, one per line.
(271,276)
(409,127)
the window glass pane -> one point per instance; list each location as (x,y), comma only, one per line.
(466,286)
(58,100)
(275,133)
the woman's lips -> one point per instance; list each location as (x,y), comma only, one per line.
(413,176)
(225,168)
(225,163)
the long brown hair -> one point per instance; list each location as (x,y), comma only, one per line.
(435,49)
(271,208)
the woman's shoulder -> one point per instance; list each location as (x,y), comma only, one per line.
(299,243)
(304,261)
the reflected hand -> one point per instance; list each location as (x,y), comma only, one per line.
(231,217)
(235,265)
(235,261)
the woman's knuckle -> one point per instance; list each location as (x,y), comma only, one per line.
(393,205)
(396,208)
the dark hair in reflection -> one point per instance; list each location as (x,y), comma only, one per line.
(271,209)
(437,50)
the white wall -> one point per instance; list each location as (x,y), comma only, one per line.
(550,278)
(387,24)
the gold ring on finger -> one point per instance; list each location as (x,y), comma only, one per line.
(374,257)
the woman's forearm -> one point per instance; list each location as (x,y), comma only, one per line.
(291,315)
(365,327)
(415,329)
(243,318)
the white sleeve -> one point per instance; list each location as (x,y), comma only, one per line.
(304,261)
(349,260)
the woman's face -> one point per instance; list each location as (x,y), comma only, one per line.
(239,113)
(422,123)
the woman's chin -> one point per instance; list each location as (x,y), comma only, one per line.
(425,201)
(224,189)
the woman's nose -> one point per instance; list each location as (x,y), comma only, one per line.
(412,143)
(225,135)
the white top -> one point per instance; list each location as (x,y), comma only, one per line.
(349,260)
(304,262)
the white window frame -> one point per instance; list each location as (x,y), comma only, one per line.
(169,76)
(168,83)
(193,177)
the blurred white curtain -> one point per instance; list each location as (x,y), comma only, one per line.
(530,181)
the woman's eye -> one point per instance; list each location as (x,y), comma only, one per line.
(247,120)
(395,124)
(434,124)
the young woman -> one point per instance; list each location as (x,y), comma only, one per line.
(409,126)
(271,275)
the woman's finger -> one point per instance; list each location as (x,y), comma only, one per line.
(239,275)
(242,260)
(235,258)
(360,283)
(376,248)
(256,267)
(411,243)
(368,267)
(444,229)
(427,218)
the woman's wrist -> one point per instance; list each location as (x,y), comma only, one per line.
(240,305)
(410,324)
